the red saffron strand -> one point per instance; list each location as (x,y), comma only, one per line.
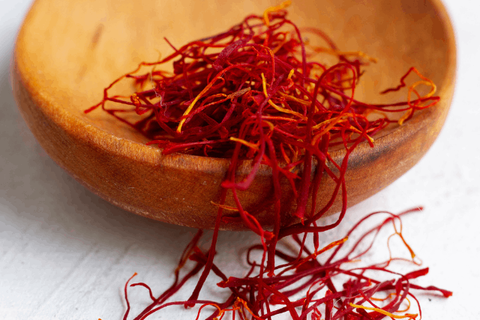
(252,93)
(125,291)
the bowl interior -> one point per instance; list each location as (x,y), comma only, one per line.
(88,44)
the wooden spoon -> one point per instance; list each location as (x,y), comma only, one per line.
(68,51)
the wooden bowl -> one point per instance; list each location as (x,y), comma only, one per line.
(67,51)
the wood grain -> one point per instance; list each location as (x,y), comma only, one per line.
(68,51)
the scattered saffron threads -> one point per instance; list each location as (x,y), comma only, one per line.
(253,93)
(305,286)
(407,315)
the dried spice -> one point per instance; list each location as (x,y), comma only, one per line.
(258,92)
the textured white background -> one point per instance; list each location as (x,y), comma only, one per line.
(65,253)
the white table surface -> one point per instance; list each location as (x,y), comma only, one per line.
(66,254)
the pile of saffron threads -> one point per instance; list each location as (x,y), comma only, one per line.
(257,92)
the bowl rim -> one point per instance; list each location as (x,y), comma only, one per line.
(139,153)
(77,126)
